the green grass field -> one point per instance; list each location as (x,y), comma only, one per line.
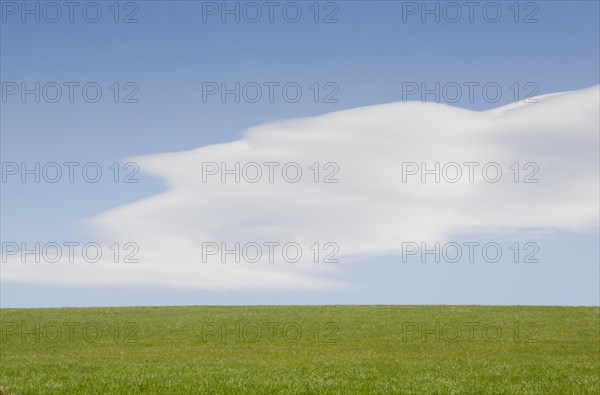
(301,350)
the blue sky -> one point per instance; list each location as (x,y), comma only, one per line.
(367,54)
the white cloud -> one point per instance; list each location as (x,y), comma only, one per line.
(370,211)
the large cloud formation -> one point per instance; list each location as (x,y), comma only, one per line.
(369,211)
